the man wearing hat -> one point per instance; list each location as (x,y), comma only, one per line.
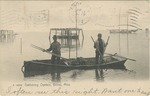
(55,48)
(99,45)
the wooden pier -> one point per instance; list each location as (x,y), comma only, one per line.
(67,32)
(69,37)
(7,36)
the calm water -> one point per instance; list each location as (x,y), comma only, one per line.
(135,46)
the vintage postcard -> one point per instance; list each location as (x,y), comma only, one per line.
(74,48)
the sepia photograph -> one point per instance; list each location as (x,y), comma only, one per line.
(74,47)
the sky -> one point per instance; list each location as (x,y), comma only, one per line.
(27,16)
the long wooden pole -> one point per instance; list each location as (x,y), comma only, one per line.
(48,18)
(105,47)
(106,42)
(39,48)
(120,56)
(76,30)
(104,50)
(69,41)
(76,16)
(127,33)
(119,33)
(25,15)
(20,45)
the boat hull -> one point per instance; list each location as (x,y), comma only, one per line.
(45,66)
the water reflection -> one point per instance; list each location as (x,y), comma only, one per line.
(7,36)
(147,30)
(99,74)
(55,76)
(147,33)
(129,71)
(76,73)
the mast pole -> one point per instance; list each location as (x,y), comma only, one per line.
(119,32)
(69,41)
(76,29)
(25,16)
(127,31)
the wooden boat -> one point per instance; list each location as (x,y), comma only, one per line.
(123,31)
(113,61)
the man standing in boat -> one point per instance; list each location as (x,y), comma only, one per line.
(55,48)
(100,46)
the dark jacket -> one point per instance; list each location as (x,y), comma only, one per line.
(100,45)
(55,48)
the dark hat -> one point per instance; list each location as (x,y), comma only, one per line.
(99,34)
